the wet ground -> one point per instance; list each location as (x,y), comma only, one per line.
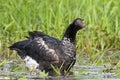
(15,69)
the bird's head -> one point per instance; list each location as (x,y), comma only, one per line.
(78,23)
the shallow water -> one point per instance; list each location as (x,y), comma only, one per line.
(16,70)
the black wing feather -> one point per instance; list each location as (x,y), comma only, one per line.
(20,47)
(34,34)
(40,49)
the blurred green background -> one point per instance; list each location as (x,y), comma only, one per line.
(52,17)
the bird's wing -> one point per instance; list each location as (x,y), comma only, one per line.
(39,46)
(34,34)
(43,49)
(48,39)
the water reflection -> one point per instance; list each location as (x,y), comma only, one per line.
(16,70)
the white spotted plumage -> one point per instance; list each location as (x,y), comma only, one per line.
(41,42)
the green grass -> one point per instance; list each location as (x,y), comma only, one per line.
(102,17)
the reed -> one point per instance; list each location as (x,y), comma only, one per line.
(102,17)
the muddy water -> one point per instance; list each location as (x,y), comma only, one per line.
(16,70)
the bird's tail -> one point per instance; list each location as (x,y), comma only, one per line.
(20,47)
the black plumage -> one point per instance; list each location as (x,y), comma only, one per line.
(47,50)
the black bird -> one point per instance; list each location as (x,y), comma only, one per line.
(50,53)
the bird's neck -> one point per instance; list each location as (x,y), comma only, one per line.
(70,34)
